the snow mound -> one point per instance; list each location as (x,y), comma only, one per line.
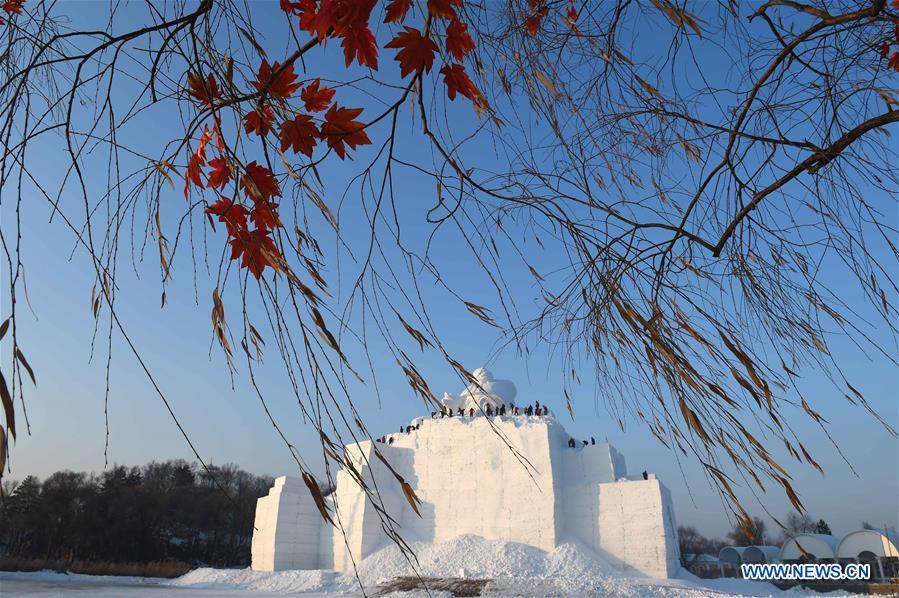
(264,581)
(571,569)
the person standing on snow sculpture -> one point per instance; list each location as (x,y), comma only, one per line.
(571,443)
(537,407)
(502,409)
(461,412)
(489,410)
(645,475)
(592,440)
(471,412)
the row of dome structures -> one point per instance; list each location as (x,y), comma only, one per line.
(862,546)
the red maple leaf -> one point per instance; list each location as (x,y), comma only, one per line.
(894,62)
(416,51)
(339,16)
(279,85)
(396,10)
(256,250)
(259,183)
(315,97)
(443,9)
(234,215)
(220,175)
(265,215)
(201,145)
(340,129)
(192,174)
(571,18)
(291,8)
(359,43)
(13,7)
(306,10)
(457,81)
(458,41)
(204,91)
(300,134)
(259,122)
(884,50)
(539,9)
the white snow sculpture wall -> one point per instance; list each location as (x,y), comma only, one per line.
(287,528)
(470,482)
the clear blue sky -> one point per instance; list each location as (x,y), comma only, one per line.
(223,416)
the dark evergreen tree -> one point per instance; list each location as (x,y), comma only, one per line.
(163,511)
(822,528)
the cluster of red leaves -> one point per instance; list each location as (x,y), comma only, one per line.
(11,7)
(538,9)
(250,224)
(204,91)
(348,20)
(886,47)
(253,246)
(571,17)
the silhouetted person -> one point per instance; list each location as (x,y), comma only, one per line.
(571,443)
(537,407)
(489,410)
(471,412)
(585,442)
(390,440)
(592,440)
(461,412)
(645,475)
(502,409)
(515,411)
(530,410)
(545,410)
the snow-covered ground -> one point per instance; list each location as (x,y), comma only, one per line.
(516,570)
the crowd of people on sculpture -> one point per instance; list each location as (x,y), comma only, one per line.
(531,410)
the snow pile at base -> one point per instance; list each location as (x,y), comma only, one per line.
(515,569)
(264,581)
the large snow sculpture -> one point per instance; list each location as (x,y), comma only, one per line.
(470,482)
(487,391)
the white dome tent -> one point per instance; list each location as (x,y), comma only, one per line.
(869,546)
(731,555)
(761,554)
(809,547)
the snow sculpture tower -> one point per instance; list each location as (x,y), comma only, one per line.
(471,482)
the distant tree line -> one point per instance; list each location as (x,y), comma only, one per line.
(165,511)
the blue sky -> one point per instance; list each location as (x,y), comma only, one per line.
(223,416)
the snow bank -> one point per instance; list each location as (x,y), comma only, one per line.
(265,581)
(571,569)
